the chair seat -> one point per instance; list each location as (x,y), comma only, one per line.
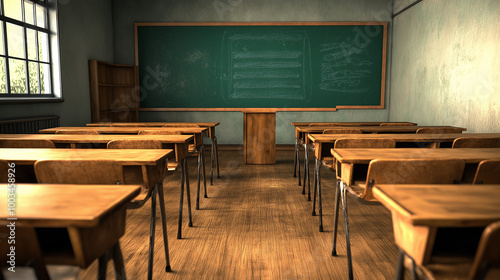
(452,267)
(173,165)
(357,190)
(328,162)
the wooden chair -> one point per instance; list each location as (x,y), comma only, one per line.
(485,264)
(26,143)
(327,161)
(347,143)
(85,172)
(488,172)
(128,124)
(193,152)
(324,124)
(397,124)
(148,175)
(342,131)
(437,130)
(78,131)
(397,171)
(181,125)
(477,142)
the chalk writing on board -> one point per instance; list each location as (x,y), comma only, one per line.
(266,65)
(335,73)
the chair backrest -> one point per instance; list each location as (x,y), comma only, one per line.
(324,124)
(439,130)
(397,124)
(129,124)
(79,172)
(344,143)
(488,252)
(181,125)
(488,172)
(413,171)
(342,131)
(77,131)
(4,171)
(26,143)
(477,142)
(159,132)
(134,144)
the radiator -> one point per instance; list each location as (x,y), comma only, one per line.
(28,125)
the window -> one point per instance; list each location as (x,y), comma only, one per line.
(29,56)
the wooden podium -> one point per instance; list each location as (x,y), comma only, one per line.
(259,137)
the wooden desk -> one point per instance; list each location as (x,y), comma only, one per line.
(418,211)
(154,158)
(259,137)
(88,212)
(322,143)
(347,159)
(366,129)
(179,143)
(211,134)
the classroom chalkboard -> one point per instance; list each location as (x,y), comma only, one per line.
(281,66)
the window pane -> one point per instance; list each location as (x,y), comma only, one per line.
(40,16)
(17,71)
(33,72)
(43,46)
(3,84)
(13,9)
(15,40)
(45,78)
(31,37)
(28,12)
(2,51)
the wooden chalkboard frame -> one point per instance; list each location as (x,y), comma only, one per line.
(383,70)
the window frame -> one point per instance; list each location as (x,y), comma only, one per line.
(54,63)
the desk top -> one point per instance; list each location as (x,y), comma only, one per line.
(102,138)
(371,129)
(364,156)
(153,124)
(125,156)
(346,123)
(63,205)
(442,205)
(400,137)
(128,130)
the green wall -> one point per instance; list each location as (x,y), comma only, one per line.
(230,131)
(446,64)
(86,32)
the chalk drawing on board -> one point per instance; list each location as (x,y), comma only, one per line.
(264,66)
(335,76)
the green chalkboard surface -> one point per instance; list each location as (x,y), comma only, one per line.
(285,66)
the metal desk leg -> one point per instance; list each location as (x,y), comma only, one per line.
(343,193)
(161,200)
(152,234)
(336,217)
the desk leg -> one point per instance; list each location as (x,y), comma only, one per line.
(181,202)
(346,224)
(316,170)
(118,262)
(201,164)
(152,234)
(188,193)
(298,165)
(306,169)
(400,266)
(217,157)
(295,156)
(212,159)
(320,204)
(161,200)
(336,217)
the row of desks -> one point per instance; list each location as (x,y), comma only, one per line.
(175,147)
(418,211)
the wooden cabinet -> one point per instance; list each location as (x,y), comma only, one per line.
(114,92)
(259,137)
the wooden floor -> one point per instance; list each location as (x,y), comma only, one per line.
(256,224)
